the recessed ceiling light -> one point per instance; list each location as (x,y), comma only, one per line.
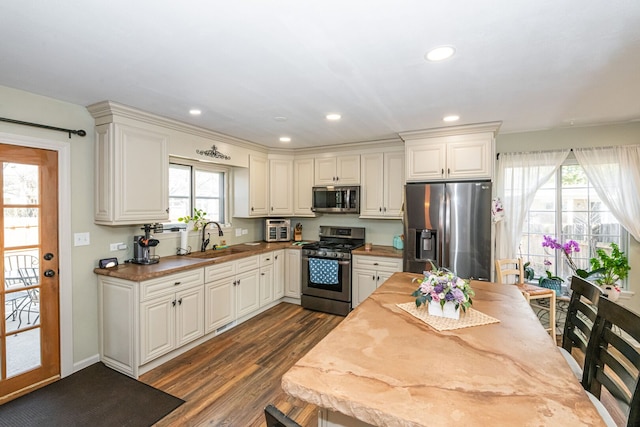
(195,112)
(440,53)
(333,116)
(280,119)
(451,118)
(285,139)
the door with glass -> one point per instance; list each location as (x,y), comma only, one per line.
(29,333)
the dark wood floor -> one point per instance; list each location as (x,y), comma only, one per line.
(228,380)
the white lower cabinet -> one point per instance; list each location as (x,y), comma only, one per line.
(368,273)
(293,272)
(171,321)
(143,324)
(266,279)
(141,321)
(278,274)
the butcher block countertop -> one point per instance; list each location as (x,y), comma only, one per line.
(176,263)
(379,250)
(385,367)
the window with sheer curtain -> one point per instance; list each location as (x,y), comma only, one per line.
(567,207)
(590,196)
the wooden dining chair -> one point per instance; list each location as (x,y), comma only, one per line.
(581,315)
(613,359)
(275,418)
(511,271)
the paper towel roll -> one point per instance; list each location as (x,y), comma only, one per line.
(183,242)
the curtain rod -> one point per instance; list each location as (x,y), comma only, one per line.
(498,154)
(78,132)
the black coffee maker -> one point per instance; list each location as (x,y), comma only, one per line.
(144,246)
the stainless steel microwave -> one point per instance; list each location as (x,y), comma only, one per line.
(336,199)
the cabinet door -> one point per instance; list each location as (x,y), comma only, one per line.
(258,186)
(393,184)
(247,292)
(132,175)
(280,187)
(425,160)
(364,283)
(371,192)
(278,274)
(157,327)
(219,303)
(325,171)
(293,266)
(266,285)
(348,170)
(302,187)
(381,277)
(471,157)
(189,315)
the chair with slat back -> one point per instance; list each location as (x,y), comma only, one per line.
(581,314)
(613,358)
(275,418)
(511,271)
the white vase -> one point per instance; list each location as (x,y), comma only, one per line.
(449,310)
(612,294)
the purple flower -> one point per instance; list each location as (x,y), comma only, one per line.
(438,288)
(458,295)
(547,262)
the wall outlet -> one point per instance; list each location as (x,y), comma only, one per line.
(238,232)
(117,246)
(81,239)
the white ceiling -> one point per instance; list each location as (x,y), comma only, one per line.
(532,64)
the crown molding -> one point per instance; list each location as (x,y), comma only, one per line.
(452,130)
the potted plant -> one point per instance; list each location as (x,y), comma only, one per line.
(610,268)
(550,281)
(444,293)
(198,219)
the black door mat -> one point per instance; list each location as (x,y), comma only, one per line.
(94,396)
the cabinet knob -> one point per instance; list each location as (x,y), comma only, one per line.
(375,263)
(251,208)
(448,171)
(173,303)
(377,278)
(176,283)
(271,208)
(262,274)
(235,282)
(373,277)
(167,210)
(180,301)
(385,209)
(268,259)
(380,209)
(238,282)
(442,172)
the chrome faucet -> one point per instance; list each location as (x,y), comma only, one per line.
(205,242)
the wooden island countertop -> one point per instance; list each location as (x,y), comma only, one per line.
(384,367)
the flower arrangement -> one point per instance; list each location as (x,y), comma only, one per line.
(441,285)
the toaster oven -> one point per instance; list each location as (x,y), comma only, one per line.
(277,230)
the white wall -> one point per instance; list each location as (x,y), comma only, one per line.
(610,135)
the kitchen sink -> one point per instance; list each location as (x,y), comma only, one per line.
(215,253)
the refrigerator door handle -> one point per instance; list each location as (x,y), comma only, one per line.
(443,253)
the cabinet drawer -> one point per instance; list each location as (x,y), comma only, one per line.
(249,263)
(266,259)
(219,271)
(377,263)
(171,283)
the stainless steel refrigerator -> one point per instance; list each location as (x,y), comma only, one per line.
(448,224)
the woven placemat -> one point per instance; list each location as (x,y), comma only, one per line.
(467,320)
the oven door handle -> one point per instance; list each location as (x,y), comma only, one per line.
(347,262)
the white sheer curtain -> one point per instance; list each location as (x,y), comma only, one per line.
(615,174)
(519,177)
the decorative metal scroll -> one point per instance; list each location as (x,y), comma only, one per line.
(213,152)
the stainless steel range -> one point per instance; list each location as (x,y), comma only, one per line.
(326,269)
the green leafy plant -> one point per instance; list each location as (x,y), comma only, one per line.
(611,268)
(529,272)
(198,219)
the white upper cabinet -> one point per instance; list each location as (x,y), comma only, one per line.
(338,170)
(251,188)
(131,175)
(382,185)
(281,187)
(455,153)
(303,187)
